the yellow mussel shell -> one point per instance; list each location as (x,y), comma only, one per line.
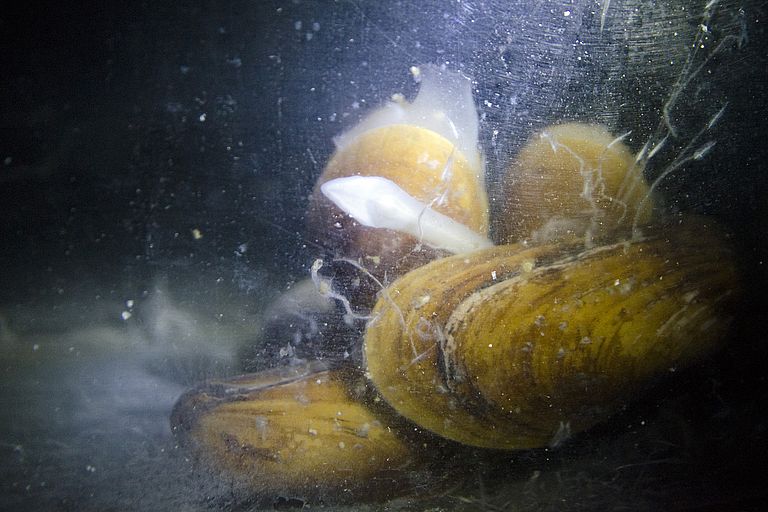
(295,431)
(572,180)
(425,165)
(515,347)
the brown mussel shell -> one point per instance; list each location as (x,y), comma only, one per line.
(303,431)
(572,179)
(425,165)
(517,347)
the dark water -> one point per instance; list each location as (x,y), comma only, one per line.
(156,166)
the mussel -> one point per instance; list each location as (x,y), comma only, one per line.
(301,431)
(518,347)
(406,185)
(573,180)
(589,300)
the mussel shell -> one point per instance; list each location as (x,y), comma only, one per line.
(515,347)
(425,165)
(302,431)
(572,179)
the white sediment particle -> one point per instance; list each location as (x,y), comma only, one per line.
(421,301)
(363,430)
(262,424)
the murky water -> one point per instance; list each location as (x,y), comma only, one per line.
(157,168)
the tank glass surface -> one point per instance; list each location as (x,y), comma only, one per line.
(360,255)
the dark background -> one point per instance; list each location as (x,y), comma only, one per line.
(127,125)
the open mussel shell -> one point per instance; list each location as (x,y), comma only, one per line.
(518,347)
(406,184)
(426,166)
(301,431)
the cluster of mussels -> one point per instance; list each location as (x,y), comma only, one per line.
(581,301)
